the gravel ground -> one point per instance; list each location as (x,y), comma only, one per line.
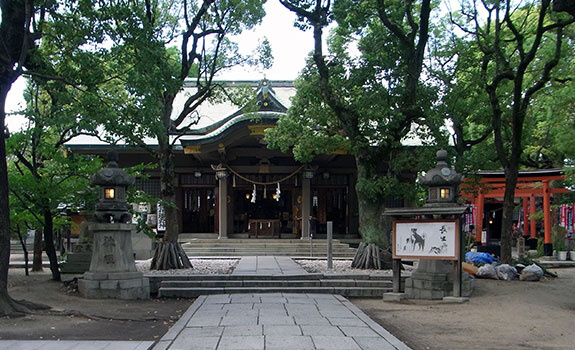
(201,266)
(339,266)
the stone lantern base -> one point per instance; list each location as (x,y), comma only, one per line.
(113,271)
(433,280)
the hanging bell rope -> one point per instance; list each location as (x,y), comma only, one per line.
(264,183)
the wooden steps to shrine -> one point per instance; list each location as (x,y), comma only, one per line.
(352,285)
(265,247)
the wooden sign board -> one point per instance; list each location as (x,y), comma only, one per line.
(426,239)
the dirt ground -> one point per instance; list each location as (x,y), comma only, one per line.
(500,315)
(76,318)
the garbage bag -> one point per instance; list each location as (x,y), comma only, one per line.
(506,272)
(480,258)
(487,271)
(531,273)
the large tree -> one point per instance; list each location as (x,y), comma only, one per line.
(365,93)
(157,73)
(17,34)
(44,177)
(518,45)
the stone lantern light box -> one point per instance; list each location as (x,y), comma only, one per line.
(442,181)
(113,182)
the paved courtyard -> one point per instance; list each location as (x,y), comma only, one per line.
(276,321)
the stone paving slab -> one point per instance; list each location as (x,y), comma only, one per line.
(74,345)
(268,265)
(275,322)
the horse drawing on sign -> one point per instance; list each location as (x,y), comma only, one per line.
(415,240)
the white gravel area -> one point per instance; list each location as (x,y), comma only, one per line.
(200,266)
(339,266)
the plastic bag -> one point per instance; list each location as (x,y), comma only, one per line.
(487,271)
(506,272)
(480,258)
(531,273)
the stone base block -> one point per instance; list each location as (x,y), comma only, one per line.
(455,300)
(394,297)
(135,288)
(433,286)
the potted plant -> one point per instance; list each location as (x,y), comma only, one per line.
(559,243)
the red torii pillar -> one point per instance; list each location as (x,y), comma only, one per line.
(533,228)
(525,218)
(548,246)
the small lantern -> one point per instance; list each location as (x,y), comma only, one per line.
(442,181)
(113,182)
(308,172)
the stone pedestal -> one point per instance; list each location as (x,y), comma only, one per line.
(112,271)
(433,280)
(78,260)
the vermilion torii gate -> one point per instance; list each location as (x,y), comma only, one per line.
(530,185)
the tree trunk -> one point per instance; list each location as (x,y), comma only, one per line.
(25,250)
(511,174)
(37,255)
(49,242)
(7,306)
(169,253)
(374,231)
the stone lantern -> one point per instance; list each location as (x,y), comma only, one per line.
(442,182)
(113,182)
(113,272)
(435,278)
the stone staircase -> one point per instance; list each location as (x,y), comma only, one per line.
(348,285)
(263,247)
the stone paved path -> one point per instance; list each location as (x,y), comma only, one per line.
(276,321)
(268,265)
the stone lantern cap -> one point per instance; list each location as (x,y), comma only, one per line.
(112,175)
(442,174)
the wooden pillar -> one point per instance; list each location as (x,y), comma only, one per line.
(305,205)
(532,226)
(223,204)
(547,247)
(479,226)
(525,217)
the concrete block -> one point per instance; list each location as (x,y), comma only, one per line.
(425,294)
(435,295)
(88,284)
(95,275)
(455,300)
(394,297)
(109,284)
(132,283)
(124,275)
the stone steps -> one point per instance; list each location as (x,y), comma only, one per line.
(349,285)
(264,247)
